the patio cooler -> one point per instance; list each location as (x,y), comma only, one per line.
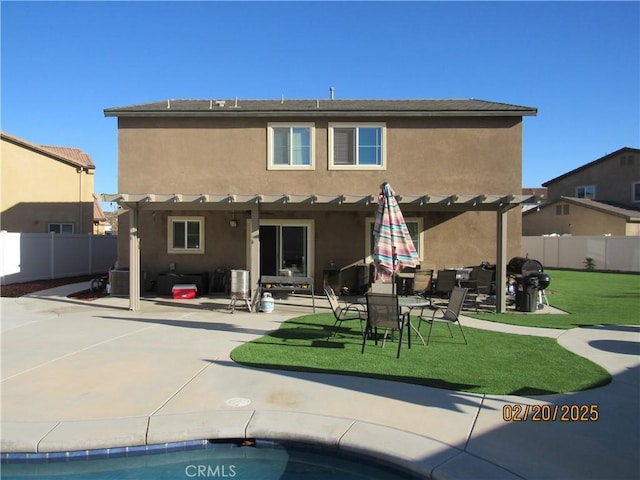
(185,290)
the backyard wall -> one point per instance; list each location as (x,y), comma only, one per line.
(618,253)
(39,256)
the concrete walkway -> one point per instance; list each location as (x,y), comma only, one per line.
(85,375)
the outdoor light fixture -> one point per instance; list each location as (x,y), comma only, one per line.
(233,223)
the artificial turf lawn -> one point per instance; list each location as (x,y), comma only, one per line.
(492,362)
(589,298)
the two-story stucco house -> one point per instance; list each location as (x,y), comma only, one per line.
(46,188)
(265,185)
(600,197)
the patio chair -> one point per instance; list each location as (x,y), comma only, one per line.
(445,281)
(382,287)
(449,315)
(422,282)
(343,312)
(383,311)
(479,285)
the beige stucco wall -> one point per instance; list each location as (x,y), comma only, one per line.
(474,155)
(37,189)
(209,155)
(580,221)
(449,238)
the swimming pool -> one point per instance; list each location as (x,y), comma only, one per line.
(244,460)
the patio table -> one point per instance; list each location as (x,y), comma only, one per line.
(409,303)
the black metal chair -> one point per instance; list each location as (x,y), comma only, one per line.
(449,315)
(342,313)
(383,311)
(479,285)
(445,281)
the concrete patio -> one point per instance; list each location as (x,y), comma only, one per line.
(82,375)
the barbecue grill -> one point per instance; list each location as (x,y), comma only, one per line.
(530,282)
(523,266)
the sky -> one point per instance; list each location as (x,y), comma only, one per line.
(578,63)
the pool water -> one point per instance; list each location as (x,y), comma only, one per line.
(261,460)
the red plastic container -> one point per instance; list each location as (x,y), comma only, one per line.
(186,290)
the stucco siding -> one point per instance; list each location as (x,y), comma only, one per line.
(580,221)
(612,178)
(37,189)
(212,155)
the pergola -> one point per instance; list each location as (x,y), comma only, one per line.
(257,203)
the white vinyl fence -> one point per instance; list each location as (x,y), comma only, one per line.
(608,253)
(40,256)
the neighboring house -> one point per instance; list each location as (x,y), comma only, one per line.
(45,188)
(271,185)
(100,222)
(599,198)
(580,216)
(537,195)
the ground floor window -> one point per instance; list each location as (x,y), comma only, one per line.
(66,228)
(286,246)
(185,235)
(415,225)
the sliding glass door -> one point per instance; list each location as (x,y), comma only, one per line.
(285,248)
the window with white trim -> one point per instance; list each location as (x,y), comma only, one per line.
(64,228)
(185,235)
(586,191)
(415,225)
(291,146)
(357,146)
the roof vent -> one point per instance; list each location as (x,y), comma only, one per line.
(220,103)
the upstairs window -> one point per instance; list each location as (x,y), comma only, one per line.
(357,146)
(635,191)
(291,147)
(587,191)
(186,235)
(64,228)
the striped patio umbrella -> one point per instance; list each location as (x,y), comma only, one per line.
(393,247)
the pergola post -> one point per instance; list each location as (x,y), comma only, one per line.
(254,268)
(134,259)
(501,260)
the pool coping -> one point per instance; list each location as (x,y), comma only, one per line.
(410,452)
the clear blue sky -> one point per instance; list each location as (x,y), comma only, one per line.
(578,63)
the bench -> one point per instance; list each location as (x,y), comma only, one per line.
(283,283)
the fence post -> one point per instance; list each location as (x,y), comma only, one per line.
(90,254)
(53,254)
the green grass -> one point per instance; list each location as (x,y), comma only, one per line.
(589,298)
(492,362)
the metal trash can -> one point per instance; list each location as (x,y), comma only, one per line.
(526,293)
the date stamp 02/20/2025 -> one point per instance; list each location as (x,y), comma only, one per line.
(550,413)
